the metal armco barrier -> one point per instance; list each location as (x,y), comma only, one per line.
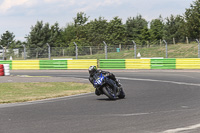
(25,64)
(184,63)
(50,64)
(81,64)
(112,64)
(138,63)
(193,63)
(163,63)
(53,64)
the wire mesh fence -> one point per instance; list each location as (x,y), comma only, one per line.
(101,52)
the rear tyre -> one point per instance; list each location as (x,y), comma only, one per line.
(109,93)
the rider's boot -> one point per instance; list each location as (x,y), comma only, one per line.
(97,92)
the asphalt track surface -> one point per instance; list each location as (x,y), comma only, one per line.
(157,101)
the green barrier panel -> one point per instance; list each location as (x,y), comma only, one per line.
(112,64)
(7,62)
(163,63)
(53,64)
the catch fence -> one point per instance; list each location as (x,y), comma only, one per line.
(163,50)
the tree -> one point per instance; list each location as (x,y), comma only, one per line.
(55,35)
(79,23)
(192,17)
(174,28)
(145,36)
(156,30)
(68,35)
(7,39)
(135,27)
(96,31)
(80,19)
(40,35)
(115,32)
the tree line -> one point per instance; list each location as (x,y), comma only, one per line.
(94,32)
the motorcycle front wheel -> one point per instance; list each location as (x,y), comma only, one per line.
(108,91)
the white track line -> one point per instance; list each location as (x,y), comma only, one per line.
(178,130)
(162,81)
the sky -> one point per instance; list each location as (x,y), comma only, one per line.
(18,16)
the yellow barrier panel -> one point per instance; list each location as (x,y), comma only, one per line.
(138,63)
(25,64)
(81,64)
(193,63)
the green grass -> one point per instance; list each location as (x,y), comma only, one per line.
(21,92)
(174,51)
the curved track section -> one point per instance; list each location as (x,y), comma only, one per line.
(156,102)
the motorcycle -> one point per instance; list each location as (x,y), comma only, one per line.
(108,87)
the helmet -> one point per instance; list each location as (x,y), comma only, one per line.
(92,69)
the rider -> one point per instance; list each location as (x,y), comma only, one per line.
(93,70)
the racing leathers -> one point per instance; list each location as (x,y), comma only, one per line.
(105,73)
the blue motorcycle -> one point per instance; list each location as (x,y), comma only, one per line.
(108,87)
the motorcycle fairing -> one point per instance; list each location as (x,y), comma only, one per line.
(99,79)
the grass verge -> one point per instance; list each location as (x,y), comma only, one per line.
(174,51)
(22,92)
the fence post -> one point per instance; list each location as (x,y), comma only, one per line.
(135,49)
(187,40)
(49,50)
(174,42)
(198,48)
(24,51)
(90,50)
(106,52)
(166,48)
(63,52)
(76,50)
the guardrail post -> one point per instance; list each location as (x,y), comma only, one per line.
(106,52)
(135,49)
(198,48)
(166,48)
(76,50)
(49,50)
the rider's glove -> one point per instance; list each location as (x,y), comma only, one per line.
(107,74)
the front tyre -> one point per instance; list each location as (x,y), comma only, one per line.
(109,92)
